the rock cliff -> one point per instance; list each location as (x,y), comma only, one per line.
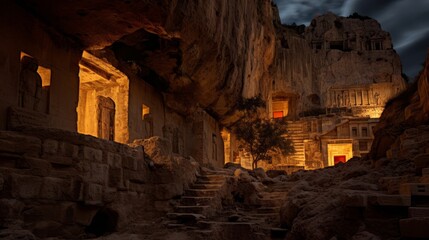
(337,53)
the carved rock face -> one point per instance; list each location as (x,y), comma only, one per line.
(208,53)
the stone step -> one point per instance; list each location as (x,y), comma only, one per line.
(417,228)
(200,192)
(206,186)
(201,181)
(414,212)
(192,209)
(414,189)
(212,177)
(268,210)
(186,217)
(265,215)
(271,202)
(196,201)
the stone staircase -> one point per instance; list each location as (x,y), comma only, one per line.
(297,135)
(202,200)
(416,225)
(200,211)
(403,209)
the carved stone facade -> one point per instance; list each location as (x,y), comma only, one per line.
(341,72)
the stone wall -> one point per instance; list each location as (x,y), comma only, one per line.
(53,182)
(24,34)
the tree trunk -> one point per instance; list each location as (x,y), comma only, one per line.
(254,164)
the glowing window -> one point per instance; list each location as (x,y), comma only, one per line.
(145,111)
(278,114)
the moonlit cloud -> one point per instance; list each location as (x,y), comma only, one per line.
(406,20)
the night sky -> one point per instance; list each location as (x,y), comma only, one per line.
(406,20)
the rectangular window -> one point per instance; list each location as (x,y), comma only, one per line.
(364,132)
(278,114)
(145,111)
(354,132)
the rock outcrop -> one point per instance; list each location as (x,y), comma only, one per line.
(402,114)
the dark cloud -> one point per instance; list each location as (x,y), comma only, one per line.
(406,20)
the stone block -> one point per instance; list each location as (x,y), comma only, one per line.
(418,212)
(11,142)
(35,166)
(76,189)
(130,163)
(8,160)
(65,173)
(116,177)
(92,154)
(68,150)
(20,117)
(389,200)
(10,208)
(414,189)
(94,172)
(54,188)
(50,147)
(63,213)
(134,176)
(114,160)
(93,194)
(59,161)
(137,187)
(26,187)
(414,228)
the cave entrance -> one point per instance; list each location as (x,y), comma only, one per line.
(339,152)
(104,222)
(103,100)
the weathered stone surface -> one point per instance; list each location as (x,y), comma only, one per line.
(54,189)
(114,160)
(19,118)
(26,187)
(92,154)
(11,142)
(93,194)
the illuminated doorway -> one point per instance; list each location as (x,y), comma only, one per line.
(339,159)
(103,100)
(339,152)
